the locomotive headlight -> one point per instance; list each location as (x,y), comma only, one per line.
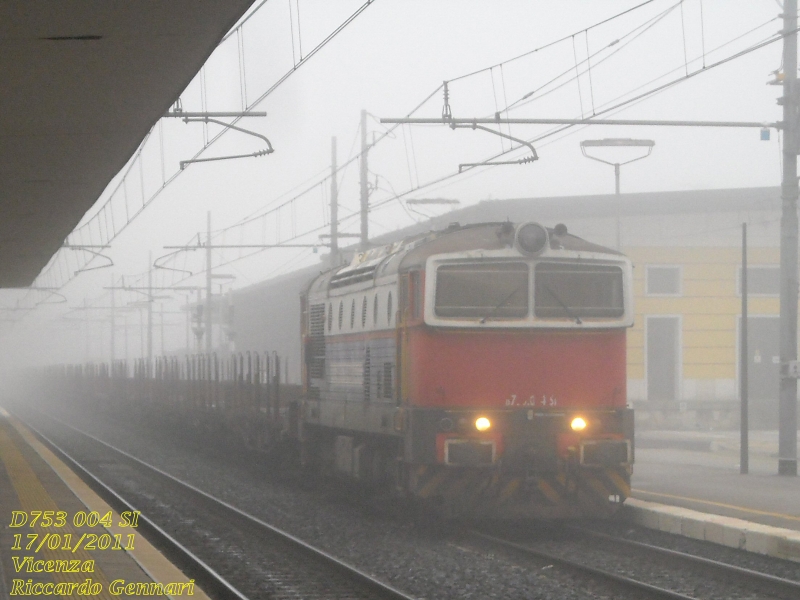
(482,424)
(578,424)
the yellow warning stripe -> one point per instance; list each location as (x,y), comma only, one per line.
(549,491)
(33,496)
(622,485)
(151,561)
(509,489)
(720,504)
(597,486)
(434,482)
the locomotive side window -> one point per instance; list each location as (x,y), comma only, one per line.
(341,314)
(415,295)
(482,290)
(574,291)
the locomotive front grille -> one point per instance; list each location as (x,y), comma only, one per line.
(469,453)
(605,453)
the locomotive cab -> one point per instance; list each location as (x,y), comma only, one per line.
(507,377)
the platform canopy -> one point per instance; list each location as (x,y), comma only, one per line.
(81,83)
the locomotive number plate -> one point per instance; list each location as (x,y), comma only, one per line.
(535,400)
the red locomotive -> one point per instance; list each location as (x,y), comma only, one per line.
(481,367)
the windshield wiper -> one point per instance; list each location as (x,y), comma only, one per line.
(503,302)
(563,304)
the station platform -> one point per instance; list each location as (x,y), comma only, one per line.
(689,483)
(65,552)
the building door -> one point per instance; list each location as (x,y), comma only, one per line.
(763,357)
(663,358)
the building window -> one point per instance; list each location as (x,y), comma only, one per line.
(330,316)
(341,314)
(763,281)
(352,313)
(375,310)
(389,309)
(663,281)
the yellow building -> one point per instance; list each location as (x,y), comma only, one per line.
(683,350)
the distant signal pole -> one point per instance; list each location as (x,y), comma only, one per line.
(334,208)
(787,428)
(209,320)
(364,187)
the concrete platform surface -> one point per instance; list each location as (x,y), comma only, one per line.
(61,551)
(688,483)
(700,471)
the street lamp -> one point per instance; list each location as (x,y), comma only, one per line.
(617,143)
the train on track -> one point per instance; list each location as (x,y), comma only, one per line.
(481,368)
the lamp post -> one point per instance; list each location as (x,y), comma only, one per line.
(617,143)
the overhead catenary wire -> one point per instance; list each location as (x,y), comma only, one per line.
(606,109)
(47,273)
(683,32)
(553,43)
(417,185)
(621,43)
(442,179)
(702,34)
(619,106)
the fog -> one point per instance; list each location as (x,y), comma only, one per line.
(388,60)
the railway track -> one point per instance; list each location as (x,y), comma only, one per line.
(293,569)
(618,581)
(753,584)
(779,586)
(281,565)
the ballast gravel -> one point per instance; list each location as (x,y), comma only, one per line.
(420,555)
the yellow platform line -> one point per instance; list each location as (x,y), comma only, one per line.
(33,496)
(151,561)
(720,504)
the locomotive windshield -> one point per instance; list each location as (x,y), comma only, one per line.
(573,291)
(482,290)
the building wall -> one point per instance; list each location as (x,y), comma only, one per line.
(709,307)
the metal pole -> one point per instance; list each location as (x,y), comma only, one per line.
(161,321)
(197,345)
(787,411)
(209,344)
(334,208)
(617,198)
(744,444)
(141,334)
(364,178)
(113,323)
(188,324)
(150,313)
(85,332)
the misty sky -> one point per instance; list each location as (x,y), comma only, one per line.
(387,61)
